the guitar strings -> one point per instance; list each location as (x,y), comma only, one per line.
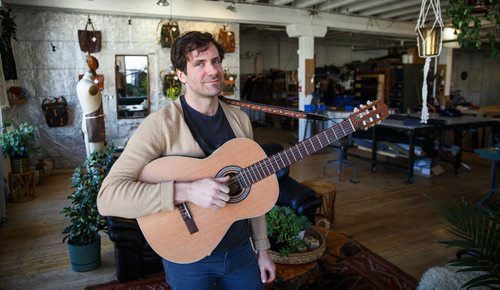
(273,161)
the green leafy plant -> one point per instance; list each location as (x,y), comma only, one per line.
(477,231)
(20,142)
(85,219)
(468,24)
(283,228)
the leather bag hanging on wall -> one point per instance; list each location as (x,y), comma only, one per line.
(56,111)
(226,39)
(169,32)
(90,40)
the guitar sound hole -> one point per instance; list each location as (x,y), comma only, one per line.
(234,187)
(236,193)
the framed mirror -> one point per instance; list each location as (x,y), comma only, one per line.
(132,86)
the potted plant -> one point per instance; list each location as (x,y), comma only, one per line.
(19,144)
(465,18)
(477,232)
(82,235)
(285,229)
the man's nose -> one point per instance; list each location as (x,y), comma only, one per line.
(212,69)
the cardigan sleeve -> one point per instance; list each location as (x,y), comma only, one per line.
(121,193)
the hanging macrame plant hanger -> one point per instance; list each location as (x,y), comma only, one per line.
(429,41)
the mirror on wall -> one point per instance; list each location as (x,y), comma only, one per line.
(132,86)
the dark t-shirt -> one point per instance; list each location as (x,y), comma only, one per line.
(211,132)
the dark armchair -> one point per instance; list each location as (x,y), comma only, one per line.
(134,258)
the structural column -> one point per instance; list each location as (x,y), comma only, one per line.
(305,73)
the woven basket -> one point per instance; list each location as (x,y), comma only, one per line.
(304,257)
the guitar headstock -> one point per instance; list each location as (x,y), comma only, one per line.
(366,116)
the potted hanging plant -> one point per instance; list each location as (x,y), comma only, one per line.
(82,235)
(19,144)
(470,17)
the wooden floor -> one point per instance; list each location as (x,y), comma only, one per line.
(382,212)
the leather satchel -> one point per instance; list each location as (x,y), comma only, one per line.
(169,32)
(90,40)
(226,39)
(56,111)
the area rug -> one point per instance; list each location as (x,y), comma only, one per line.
(365,270)
(347,265)
(152,282)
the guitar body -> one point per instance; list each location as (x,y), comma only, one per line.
(167,233)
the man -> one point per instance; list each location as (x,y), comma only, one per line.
(194,125)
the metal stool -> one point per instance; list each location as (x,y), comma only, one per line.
(341,160)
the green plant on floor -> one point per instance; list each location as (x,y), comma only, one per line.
(85,220)
(468,25)
(19,142)
(477,232)
(283,228)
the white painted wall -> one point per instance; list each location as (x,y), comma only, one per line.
(46,73)
(271,52)
(482,85)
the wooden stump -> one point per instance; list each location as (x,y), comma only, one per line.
(22,186)
(327,191)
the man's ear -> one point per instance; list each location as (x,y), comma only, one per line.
(181,75)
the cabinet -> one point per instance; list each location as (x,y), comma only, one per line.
(406,92)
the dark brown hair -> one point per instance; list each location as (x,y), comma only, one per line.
(189,41)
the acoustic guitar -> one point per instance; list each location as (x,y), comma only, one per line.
(189,233)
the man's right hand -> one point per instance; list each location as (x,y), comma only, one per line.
(207,193)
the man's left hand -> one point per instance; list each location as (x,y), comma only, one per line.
(266,266)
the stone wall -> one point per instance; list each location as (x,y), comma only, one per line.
(47,73)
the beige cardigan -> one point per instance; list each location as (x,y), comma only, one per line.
(162,133)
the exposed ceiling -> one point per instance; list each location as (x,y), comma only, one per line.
(397,10)
(390,10)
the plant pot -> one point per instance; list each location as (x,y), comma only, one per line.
(85,258)
(20,165)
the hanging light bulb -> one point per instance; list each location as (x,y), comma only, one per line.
(163,3)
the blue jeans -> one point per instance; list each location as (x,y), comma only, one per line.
(234,269)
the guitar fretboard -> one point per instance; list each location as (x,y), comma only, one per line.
(272,164)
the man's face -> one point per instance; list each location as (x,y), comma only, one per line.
(204,74)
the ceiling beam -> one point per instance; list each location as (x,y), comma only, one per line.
(401,12)
(367,4)
(216,11)
(280,2)
(334,4)
(388,8)
(307,3)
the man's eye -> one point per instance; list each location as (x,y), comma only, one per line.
(199,64)
(217,61)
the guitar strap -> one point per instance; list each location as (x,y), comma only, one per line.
(287,112)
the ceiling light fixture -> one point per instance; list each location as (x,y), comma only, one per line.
(231,7)
(163,3)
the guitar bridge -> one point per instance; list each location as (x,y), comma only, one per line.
(188,218)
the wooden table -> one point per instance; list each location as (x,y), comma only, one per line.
(298,276)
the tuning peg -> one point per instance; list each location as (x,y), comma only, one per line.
(369,102)
(356,109)
(362,106)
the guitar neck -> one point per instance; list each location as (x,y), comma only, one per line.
(272,164)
